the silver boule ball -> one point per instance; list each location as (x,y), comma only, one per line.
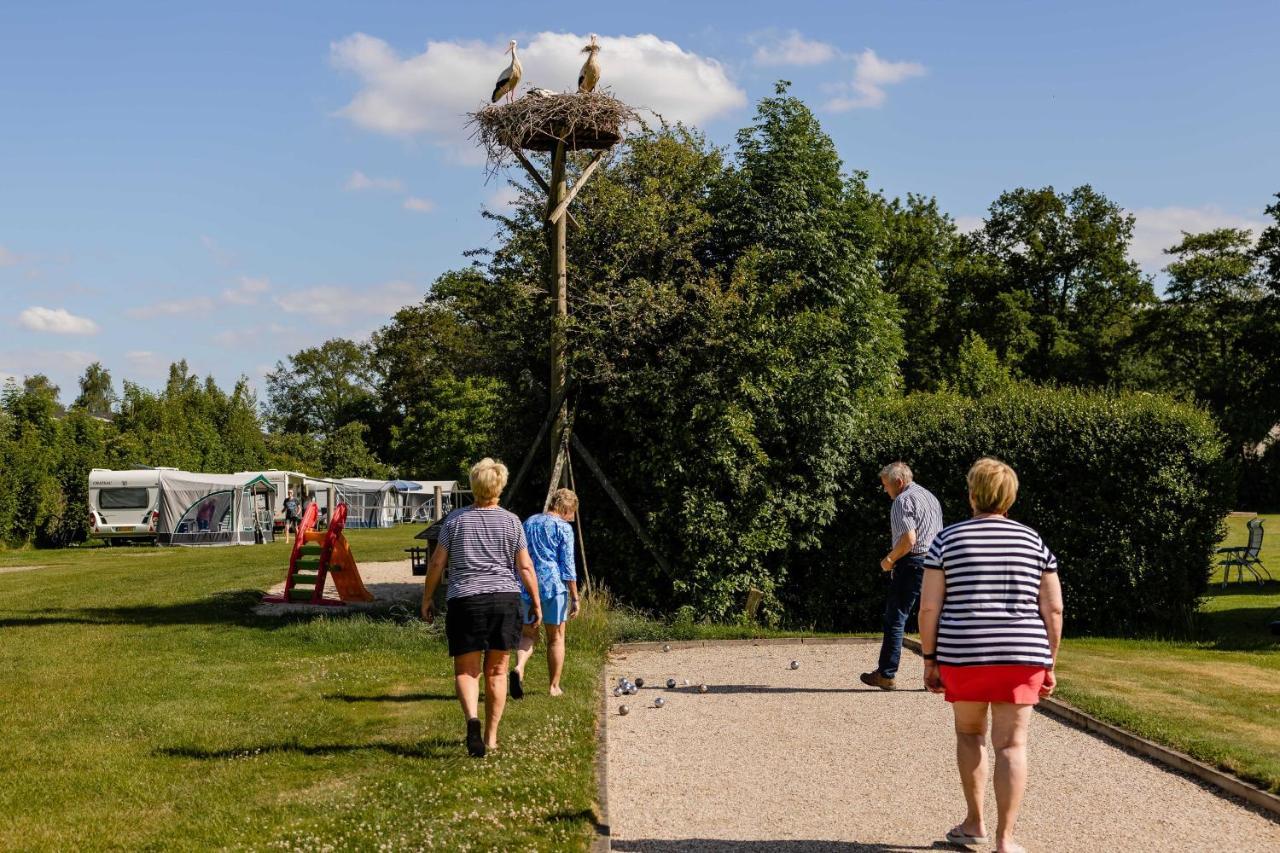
(639,682)
(671,683)
(617,691)
(795,664)
(702,688)
(623,710)
(666,647)
(622,681)
(659,702)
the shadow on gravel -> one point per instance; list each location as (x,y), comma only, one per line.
(716,845)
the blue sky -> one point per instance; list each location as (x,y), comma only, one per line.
(231,183)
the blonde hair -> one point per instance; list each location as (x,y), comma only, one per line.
(488,479)
(564,501)
(993,485)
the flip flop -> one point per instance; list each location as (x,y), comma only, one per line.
(514,687)
(958,836)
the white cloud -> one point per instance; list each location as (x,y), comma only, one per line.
(870,75)
(171,307)
(1159,228)
(333,305)
(419,205)
(359,181)
(969,224)
(222,257)
(57,321)
(429,92)
(793,49)
(8,257)
(62,366)
(147,364)
(246,290)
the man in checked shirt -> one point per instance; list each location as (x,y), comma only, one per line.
(914,519)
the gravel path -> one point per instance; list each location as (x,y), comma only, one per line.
(774,759)
(391,583)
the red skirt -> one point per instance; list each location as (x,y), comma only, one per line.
(1019,684)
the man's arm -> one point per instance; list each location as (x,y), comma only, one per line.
(902,548)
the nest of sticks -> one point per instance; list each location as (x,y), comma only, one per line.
(537,122)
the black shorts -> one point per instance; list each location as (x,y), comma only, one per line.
(477,623)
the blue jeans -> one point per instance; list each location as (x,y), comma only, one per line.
(904,593)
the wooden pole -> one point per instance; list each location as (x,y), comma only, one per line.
(577,523)
(437,507)
(563,207)
(514,488)
(539,180)
(594,468)
(556,233)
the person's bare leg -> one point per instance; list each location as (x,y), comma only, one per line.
(1009,724)
(528,639)
(495,694)
(555,656)
(971,758)
(466,681)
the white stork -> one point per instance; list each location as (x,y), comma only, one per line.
(589,76)
(509,78)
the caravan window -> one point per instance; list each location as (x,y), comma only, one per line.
(123,499)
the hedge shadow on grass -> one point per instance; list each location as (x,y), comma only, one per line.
(437,747)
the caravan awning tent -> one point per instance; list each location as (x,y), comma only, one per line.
(370,503)
(214,509)
(418,497)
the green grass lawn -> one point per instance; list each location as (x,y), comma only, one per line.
(1216,697)
(144,706)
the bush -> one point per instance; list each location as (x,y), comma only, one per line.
(1129,492)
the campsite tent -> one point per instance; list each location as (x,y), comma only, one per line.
(418,498)
(370,503)
(214,509)
(284,483)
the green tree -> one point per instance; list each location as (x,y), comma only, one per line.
(343,453)
(977,370)
(97,395)
(451,427)
(914,260)
(320,389)
(1052,285)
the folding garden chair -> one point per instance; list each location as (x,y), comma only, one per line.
(1246,558)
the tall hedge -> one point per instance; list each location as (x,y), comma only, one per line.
(1129,491)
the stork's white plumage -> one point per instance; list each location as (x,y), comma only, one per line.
(510,76)
(538,92)
(589,76)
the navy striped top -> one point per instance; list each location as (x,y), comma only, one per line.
(991,613)
(482,546)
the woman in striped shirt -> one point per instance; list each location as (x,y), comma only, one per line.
(990,622)
(485,550)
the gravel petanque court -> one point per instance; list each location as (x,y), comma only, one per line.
(775,759)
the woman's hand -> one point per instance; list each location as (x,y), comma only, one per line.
(537,617)
(933,677)
(428,611)
(1050,682)
(574,608)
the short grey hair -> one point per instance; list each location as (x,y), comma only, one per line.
(897,472)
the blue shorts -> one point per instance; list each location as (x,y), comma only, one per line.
(555,610)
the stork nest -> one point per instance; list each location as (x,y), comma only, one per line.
(591,120)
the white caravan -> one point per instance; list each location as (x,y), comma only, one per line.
(285,483)
(124,506)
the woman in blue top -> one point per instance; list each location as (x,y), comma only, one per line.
(550,538)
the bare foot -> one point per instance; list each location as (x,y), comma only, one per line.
(556,691)
(1010,846)
(491,746)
